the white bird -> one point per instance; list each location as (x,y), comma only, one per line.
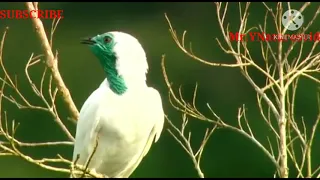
(123,112)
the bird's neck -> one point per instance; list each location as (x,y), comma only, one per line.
(119,83)
(116,82)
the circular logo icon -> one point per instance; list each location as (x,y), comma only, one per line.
(292,19)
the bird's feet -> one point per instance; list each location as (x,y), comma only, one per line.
(96,174)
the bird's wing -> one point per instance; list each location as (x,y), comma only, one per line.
(86,127)
(157,115)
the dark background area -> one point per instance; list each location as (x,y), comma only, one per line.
(228,154)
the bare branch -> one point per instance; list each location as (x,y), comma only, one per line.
(185,143)
(52,64)
(276,99)
(11,145)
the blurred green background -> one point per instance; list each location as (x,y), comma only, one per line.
(228,154)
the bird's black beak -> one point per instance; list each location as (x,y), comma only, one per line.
(88,41)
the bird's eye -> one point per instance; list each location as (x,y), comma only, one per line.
(107,39)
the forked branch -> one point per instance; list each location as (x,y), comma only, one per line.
(52,62)
(282,69)
(47,90)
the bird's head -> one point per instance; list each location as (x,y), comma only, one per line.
(122,58)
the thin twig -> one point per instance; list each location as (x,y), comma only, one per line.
(52,64)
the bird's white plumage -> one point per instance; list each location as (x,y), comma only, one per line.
(126,124)
(131,59)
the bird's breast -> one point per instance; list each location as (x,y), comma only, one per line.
(126,118)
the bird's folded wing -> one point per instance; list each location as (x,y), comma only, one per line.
(87,128)
(155,133)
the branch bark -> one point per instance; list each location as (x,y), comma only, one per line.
(52,63)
